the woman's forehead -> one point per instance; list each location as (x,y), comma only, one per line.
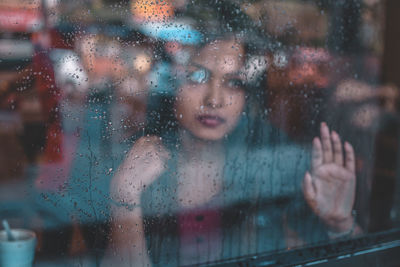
(222,47)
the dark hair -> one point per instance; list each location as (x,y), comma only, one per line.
(221,19)
(216,20)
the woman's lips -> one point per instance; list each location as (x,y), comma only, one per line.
(210,121)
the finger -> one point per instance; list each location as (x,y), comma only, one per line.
(309,190)
(326,143)
(316,154)
(337,149)
(350,157)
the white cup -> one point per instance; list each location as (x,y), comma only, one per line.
(20,252)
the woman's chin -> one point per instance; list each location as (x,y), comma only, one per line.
(207,133)
(211,136)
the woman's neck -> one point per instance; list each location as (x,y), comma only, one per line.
(200,170)
(194,148)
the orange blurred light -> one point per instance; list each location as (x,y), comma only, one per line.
(152,10)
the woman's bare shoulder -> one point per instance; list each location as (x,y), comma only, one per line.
(146,161)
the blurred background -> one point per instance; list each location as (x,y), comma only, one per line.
(74,81)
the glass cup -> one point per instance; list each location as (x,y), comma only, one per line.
(21,251)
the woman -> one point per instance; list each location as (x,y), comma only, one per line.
(213,180)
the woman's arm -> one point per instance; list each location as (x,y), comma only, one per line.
(144,163)
(127,246)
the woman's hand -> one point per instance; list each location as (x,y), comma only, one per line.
(329,188)
(144,163)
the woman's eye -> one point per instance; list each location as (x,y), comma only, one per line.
(236,83)
(198,76)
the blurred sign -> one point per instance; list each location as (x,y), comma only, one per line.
(20,16)
(15,49)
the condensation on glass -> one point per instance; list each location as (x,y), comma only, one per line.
(179,132)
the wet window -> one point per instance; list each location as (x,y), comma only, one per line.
(198,132)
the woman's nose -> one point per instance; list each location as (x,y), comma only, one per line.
(215,94)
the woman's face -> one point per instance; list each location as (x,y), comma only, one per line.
(211,99)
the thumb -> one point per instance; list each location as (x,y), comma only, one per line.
(309,190)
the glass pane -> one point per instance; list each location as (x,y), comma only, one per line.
(170,133)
